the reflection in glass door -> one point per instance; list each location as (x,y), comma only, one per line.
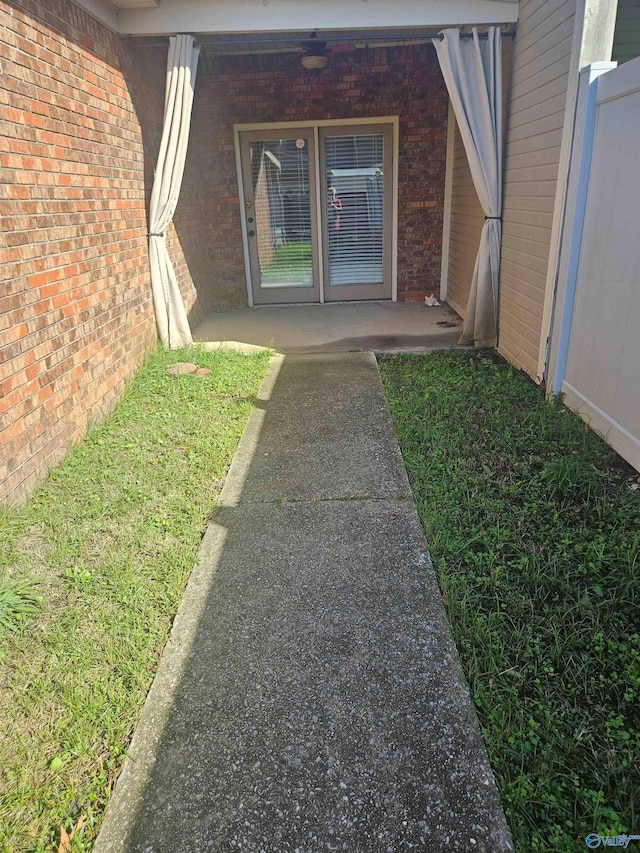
(279,197)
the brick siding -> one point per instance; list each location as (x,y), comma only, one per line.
(80,120)
(404,81)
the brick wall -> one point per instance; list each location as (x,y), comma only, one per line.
(80,121)
(404,81)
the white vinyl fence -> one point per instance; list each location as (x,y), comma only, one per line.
(595,345)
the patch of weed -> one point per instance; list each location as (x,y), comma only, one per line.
(111,537)
(536,538)
(18,600)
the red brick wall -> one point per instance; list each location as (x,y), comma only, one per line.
(80,119)
(404,81)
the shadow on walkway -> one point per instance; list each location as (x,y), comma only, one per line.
(310,696)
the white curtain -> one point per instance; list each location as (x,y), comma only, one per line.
(171,316)
(472,70)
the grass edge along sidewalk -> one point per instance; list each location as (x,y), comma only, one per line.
(535,534)
(96,563)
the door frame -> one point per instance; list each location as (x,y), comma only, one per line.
(314,126)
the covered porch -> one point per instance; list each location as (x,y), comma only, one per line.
(320,159)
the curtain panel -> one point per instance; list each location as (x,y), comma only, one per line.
(472,70)
(171,316)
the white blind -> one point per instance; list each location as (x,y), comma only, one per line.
(355,205)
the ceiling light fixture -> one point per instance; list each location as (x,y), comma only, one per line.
(316,53)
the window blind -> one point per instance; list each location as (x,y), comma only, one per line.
(355,208)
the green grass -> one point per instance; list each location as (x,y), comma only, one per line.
(289,262)
(18,600)
(107,543)
(293,254)
(535,534)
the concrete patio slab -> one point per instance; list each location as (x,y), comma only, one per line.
(310,697)
(339,327)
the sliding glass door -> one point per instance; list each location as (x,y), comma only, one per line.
(293,241)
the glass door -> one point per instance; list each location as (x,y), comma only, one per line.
(280,209)
(357,205)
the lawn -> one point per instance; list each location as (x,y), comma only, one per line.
(291,262)
(92,570)
(535,534)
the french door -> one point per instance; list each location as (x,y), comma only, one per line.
(318,211)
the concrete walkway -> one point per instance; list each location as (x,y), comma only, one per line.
(310,697)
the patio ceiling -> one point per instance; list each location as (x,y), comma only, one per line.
(298,17)
(292,42)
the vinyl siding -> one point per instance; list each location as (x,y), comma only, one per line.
(626,42)
(467,219)
(540,68)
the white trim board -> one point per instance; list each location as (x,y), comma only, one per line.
(446,213)
(593,31)
(263,16)
(317,181)
(102,11)
(572,225)
(314,125)
(243,218)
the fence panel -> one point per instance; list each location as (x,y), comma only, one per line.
(602,376)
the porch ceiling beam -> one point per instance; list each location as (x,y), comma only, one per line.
(256,16)
(101,10)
